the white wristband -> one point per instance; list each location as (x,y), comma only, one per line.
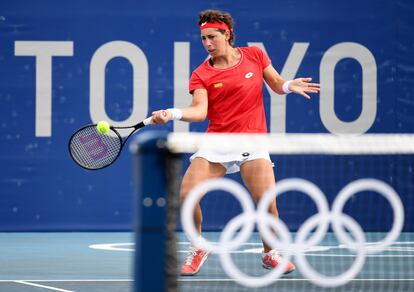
(286,87)
(176,113)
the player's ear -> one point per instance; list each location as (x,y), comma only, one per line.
(227,35)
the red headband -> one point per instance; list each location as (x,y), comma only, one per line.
(219,25)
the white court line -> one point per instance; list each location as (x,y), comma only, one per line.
(114,246)
(42,286)
(284,280)
(182,279)
(126,247)
(69,280)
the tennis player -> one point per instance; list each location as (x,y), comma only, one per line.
(227,89)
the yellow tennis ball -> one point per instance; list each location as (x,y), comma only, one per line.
(103,127)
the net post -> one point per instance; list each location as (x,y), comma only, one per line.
(156,172)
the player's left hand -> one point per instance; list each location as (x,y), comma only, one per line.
(303,86)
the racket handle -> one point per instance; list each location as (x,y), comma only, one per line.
(147,121)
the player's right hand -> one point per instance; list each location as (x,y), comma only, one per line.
(161,117)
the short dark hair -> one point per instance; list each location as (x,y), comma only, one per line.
(211,15)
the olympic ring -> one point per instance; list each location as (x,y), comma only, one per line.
(291,185)
(382,188)
(266,224)
(243,278)
(343,278)
(197,193)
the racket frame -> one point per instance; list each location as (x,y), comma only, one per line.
(135,128)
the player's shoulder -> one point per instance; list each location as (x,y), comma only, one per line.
(252,53)
(251,50)
(203,67)
(256,55)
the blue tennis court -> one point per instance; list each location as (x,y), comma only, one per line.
(103,262)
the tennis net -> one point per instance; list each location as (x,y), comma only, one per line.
(346,207)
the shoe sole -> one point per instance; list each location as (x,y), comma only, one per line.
(285,273)
(196,271)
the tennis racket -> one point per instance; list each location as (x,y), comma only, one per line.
(93,150)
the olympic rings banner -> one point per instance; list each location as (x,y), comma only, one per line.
(66,64)
(266,224)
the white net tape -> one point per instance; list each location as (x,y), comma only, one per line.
(294,143)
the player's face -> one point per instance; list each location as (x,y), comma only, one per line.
(214,41)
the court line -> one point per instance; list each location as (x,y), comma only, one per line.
(118,247)
(42,286)
(68,280)
(368,255)
(188,280)
(284,280)
(113,246)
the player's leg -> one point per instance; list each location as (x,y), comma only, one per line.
(198,171)
(258,177)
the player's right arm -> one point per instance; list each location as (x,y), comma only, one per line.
(196,112)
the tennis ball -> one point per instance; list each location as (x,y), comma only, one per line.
(103,127)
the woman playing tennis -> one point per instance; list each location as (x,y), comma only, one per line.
(227,90)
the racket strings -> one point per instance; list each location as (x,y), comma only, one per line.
(93,150)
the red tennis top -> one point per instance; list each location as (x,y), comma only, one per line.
(235,98)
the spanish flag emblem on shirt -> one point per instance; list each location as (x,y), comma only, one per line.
(218,84)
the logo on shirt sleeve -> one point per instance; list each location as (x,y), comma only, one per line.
(218,85)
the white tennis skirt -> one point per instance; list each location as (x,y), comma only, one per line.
(231,160)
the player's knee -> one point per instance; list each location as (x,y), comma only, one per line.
(184,193)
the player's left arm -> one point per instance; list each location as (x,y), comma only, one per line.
(300,86)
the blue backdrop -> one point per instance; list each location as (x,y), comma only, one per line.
(63,65)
